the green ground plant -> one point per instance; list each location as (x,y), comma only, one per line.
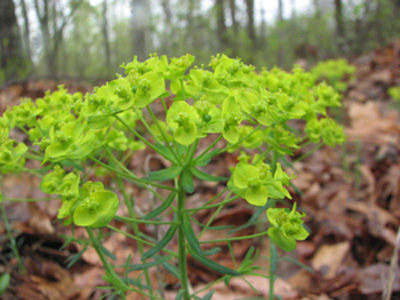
(336,72)
(73,136)
(394,93)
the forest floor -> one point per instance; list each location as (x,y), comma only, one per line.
(351,195)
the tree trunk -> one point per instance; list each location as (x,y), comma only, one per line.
(26,32)
(43,17)
(262,42)
(317,8)
(168,37)
(106,40)
(280,10)
(56,40)
(11,58)
(293,5)
(190,26)
(221,26)
(235,27)
(140,19)
(340,30)
(251,32)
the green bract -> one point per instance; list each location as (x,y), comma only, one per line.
(181,118)
(89,206)
(97,209)
(232,117)
(72,140)
(257,183)
(148,88)
(248,179)
(52,181)
(286,227)
(11,157)
(209,120)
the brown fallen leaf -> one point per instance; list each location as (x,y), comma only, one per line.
(329,259)
(316,297)
(372,279)
(39,221)
(239,288)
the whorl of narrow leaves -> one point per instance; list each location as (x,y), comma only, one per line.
(228,99)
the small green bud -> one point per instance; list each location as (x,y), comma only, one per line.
(207,118)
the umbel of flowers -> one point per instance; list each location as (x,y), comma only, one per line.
(227,99)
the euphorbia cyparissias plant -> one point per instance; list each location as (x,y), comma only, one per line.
(73,134)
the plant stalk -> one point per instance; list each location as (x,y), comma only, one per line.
(13,244)
(108,268)
(273,261)
(183,274)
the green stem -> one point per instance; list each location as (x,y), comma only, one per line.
(209,148)
(87,172)
(181,244)
(125,219)
(33,156)
(194,210)
(35,151)
(23,130)
(262,156)
(162,132)
(13,245)
(177,152)
(136,229)
(38,127)
(239,141)
(209,285)
(140,239)
(214,205)
(238,238)
(273,261)
(308,153)
(191,152)
(272,269)
(135,133)
(164,106)
(109,269)
(147,126)
(133,177)
(214,215)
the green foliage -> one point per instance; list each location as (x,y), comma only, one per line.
(72,134)
(286,227)
(336,72)
(257,183)
(4,282)
(394,93)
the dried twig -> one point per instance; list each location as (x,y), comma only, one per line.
(387,293)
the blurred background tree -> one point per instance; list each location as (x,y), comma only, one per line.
(89,39)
